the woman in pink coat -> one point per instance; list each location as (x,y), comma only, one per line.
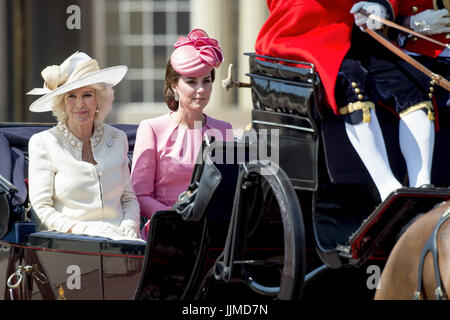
(166,147)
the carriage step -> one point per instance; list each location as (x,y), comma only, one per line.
(401,205)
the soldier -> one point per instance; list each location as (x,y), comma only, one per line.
(358,74)
(427,17)
(432,19)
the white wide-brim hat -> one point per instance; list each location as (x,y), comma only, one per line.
(77,71)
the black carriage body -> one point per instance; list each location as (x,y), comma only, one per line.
(172,267)
(285,100)
(323,182)
(345,223)
(76,267)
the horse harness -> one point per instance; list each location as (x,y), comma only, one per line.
(431,246)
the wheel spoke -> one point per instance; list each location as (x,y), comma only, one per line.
(278,260)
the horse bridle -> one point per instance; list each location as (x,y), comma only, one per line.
(431,246)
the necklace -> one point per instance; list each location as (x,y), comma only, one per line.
(77,143)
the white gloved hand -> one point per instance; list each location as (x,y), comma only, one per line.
(431,21)
(370,7)
(129,229)
(105,230)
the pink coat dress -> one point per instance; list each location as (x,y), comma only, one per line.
(163,160)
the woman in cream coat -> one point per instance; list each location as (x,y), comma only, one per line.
(79,180)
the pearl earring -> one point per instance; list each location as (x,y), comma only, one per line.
(177,97)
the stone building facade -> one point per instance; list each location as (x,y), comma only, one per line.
(137,33)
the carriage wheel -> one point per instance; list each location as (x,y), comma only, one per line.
(269,245)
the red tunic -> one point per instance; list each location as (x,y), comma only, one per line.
(409,8)
(316,31)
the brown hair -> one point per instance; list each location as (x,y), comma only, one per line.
(172,77)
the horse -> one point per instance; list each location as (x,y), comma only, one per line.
(410,271)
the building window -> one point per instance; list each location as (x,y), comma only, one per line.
(141,34)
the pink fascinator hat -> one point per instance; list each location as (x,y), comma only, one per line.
(196,54)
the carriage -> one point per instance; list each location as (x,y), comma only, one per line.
(267,216)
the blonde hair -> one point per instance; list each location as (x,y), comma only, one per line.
(55,76)
(104,95)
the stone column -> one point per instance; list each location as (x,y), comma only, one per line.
(3,64)
(252,15)
(216,18)
(99,32)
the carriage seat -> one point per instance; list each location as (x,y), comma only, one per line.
(285,98)
(85,244)
(14,139)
